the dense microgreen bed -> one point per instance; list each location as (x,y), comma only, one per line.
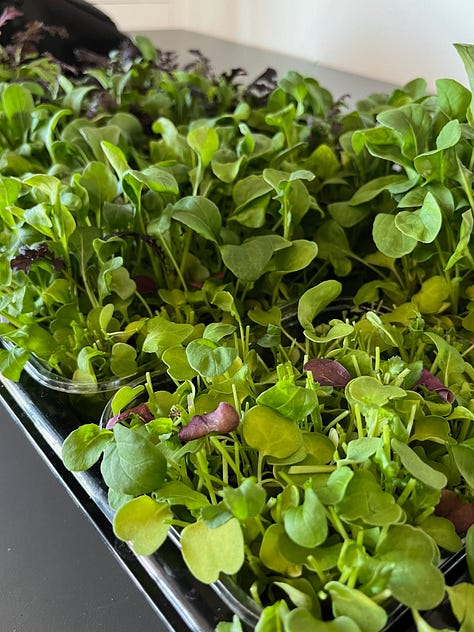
(293,280)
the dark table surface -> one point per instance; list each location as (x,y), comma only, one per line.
(56,572)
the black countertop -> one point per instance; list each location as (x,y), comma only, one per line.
(56,574)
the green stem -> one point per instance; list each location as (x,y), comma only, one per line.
(260,467)
(226,458)
(187,245)
(358,418)
(203,473)
(173,261)
(409,487)
(144,303)
(337,523)
(313,564)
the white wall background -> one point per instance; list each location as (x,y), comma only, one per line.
(391,41)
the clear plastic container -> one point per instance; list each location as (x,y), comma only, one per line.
(44,376)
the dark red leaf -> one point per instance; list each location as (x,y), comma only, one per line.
(223,419)
(458,511)
(328,372)
(432,383)
(141,410)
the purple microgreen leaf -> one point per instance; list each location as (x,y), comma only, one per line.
(145,284)
(432,383)
(9,13)
(223,419)
(328,372)
(27,256)
(141,410)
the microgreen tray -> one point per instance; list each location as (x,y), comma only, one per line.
(173,593)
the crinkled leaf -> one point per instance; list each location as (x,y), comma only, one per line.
(292,401)
(132,464)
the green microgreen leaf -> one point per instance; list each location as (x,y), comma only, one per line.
(132,463)
(314,300)
(223,546)
(270,432)
(84,447)
(144,523)
(359,607)
(307,524)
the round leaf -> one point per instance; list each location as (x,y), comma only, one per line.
(271,433)
(208,359)
(208,552)
(307,524)
(143,522)
(389,239)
